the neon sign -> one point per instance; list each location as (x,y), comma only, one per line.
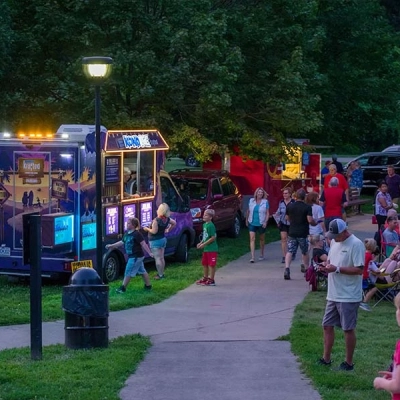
(136,141)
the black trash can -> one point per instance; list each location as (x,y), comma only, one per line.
(85,302)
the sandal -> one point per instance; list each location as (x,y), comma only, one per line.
(157,277)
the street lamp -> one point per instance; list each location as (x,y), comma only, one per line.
(98,69)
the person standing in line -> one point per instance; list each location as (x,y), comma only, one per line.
(355,176)
(344,268)
(339,165)
(342,180)
(317,213)
(383,203)
(299,214)
(333,200)
(257,219)
(210,250)
(325,171)
(393,181)
(161,225)
(390,380)
(283,224)
(134,245)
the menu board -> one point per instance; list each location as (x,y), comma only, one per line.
(146,213)
(129,212)
(112,166)
(112,220)
(89,236)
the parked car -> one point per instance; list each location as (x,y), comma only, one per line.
(393,148)
(211,190)
(374,166)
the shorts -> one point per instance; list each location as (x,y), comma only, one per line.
(283,227)
(134,267)
(342,315)
(158,243)
(294,243)
(259,229)
(209,259)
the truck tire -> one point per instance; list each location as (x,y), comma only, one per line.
(111,268)
(234,231)
(182,251)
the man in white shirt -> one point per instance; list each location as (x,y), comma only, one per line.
(344,267)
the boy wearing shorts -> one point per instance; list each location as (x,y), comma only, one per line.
(134,245)
(210,250)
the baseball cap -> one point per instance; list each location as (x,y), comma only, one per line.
(336,227)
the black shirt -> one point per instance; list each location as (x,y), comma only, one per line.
(298,212)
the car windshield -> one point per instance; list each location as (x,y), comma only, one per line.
(198,189)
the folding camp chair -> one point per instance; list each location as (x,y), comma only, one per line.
(388,291)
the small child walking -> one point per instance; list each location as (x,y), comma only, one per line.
(390,380)
(210,250)
(134,245)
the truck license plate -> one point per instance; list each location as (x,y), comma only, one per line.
(75,265)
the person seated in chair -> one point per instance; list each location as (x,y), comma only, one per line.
(130,185)
(390,236)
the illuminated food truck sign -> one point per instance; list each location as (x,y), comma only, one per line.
(135,140)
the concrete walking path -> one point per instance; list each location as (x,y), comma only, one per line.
(214,342)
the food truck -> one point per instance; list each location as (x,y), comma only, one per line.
(303,170)
(54,175)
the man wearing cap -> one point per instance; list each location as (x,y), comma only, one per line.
(344,268)
(299,214)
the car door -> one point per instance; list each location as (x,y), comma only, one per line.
(230,201)
(377,168)
(217,204)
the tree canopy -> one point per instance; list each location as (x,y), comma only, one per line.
(210,74)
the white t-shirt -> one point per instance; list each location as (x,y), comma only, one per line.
(341,287)
(317,213)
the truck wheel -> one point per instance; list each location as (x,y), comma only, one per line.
(234,231)
(111,268)
(182,251)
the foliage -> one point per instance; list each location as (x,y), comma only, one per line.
(210,74)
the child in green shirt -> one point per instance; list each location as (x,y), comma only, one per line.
(210,250)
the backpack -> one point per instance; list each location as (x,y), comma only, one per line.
(311,277)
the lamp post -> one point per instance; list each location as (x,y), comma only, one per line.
(98,69)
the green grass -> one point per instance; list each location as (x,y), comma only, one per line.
(71,374)
(377,333)
(15,301)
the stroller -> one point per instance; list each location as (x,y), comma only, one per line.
(316,279)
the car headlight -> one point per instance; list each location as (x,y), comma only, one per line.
(196,212)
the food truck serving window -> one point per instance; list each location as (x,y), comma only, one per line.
(138,174)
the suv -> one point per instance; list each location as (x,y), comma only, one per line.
(392,148)
(211,190)
(374,166)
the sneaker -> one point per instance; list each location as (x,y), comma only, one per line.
(158,277)
(344,366)
(121,289)
(260,258)
(302,268)
(147,287)
(209,282)
(283,260)
(202,281)
(286,275)
(365,306)
(322,361)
